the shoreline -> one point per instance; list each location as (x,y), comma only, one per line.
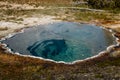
(16,15)
(26,23)
(108,50)
(18,23)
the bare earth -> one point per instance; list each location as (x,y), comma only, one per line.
(35,69)
(11,26)
(27,22)
(19,22)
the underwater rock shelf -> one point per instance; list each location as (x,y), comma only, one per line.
(61,41)
(48,48)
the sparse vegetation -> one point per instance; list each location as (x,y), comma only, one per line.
(104,4)
(13,67)
(88,16)
(41,2)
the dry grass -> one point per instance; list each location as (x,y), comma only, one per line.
(13,67)
(39,1)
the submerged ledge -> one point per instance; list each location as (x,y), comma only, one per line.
(108,51)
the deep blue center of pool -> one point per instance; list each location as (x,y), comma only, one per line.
(61,41)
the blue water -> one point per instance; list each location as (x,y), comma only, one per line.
(61,41)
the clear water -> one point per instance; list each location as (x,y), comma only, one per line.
(61,41)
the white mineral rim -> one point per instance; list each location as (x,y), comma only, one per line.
(109,48)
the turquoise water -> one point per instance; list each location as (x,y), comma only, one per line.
(61,41)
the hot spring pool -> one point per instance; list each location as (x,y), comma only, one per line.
(61,41)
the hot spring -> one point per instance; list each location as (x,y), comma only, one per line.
(61,41)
